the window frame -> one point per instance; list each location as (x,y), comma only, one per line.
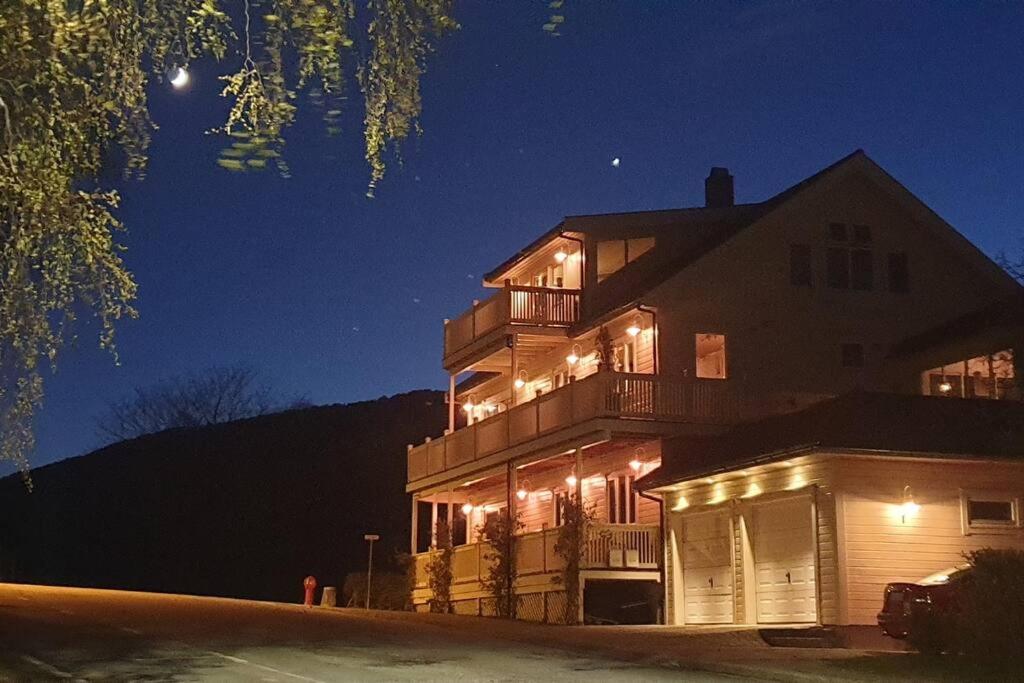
(725,356)
(970,528)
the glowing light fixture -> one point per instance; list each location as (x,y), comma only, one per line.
(468,406)
(752,491)
(178,77)
(574,355)
(635,465)
(560,256)
(908,508)
(571,480)
(520,380)
(521,494)
(467,508)
(490,407)
(681,504)
(945,387)
(634,328)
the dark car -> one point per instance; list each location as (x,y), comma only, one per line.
(906,603)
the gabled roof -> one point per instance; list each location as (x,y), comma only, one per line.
(860,421)
(710,226)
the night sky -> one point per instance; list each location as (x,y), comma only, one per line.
(337,298)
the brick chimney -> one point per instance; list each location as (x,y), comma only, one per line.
(718,190)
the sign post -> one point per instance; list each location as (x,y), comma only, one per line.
(369,569)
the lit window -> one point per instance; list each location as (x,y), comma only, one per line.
(611,257)
(711,356)
(625,357)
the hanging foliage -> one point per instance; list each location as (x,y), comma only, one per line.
(571,545)
(73,85)
(499,532)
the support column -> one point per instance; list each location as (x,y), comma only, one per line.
(515,371)
(451,403)
(433,522)
(415,523)
(579,476)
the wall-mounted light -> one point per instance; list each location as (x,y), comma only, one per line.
(681,504)
(574,355)
(753,491)
(571,480)
(635,465)
(521,494)
(467,509)
(520,380)
(634,327)
(945,387)
(560,256)
(468,406)
(908,508)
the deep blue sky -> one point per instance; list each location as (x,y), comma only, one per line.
(340,298)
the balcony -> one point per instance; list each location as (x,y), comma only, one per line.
(513,305)
(609,546)
(625,396)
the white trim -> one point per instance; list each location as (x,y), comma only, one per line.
(989,527)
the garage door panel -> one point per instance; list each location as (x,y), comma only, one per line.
(707,569)
(783,547)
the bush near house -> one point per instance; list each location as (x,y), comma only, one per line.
(986,621)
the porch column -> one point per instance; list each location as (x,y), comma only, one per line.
(579,476)
(451,517)
(515,371)
(415,522)
(433,522)
(512,478)
(451,403)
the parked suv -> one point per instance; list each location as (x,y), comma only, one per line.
(905,603)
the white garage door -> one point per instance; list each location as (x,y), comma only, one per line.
(784,561)
(707,568)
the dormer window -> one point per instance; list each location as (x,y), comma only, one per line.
(613,255)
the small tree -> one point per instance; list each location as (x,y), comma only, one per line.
(499,531)
(571,545)
(605,350)
(439,570)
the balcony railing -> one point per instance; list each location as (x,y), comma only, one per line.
(605,394)
(512,305)
(609,546)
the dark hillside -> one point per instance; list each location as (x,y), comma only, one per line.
(243,509)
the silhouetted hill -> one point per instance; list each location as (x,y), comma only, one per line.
(243,509)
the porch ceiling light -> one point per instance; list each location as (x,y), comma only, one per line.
(574,355)
(467,508)
(521,494)
(634,328)
(681,504)
(560,256)
(571,480)
(945,387)
(635,465)
(520,380)
(468,406)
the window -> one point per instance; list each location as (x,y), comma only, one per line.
(862,233)
(621,500)
(862,266)
(837,267)
(899,273)
(800,265)
(613,255)
(710,356)
(989,512)
(837,232)
(853,355)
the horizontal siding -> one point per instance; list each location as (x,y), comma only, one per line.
(881,547)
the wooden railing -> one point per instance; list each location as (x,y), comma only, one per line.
(605,394)
(609,546)
(512,305)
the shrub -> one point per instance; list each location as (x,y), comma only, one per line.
(989,614)
(390,590)
(439,570)
(499,531)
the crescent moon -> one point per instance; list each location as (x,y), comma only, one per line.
(180,78)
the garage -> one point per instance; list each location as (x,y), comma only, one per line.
(783,544)
(707,568)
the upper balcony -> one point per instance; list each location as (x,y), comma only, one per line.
(644,404)
(512,308)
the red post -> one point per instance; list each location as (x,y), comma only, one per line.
(310,585)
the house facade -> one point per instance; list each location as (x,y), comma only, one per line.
(618,351)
